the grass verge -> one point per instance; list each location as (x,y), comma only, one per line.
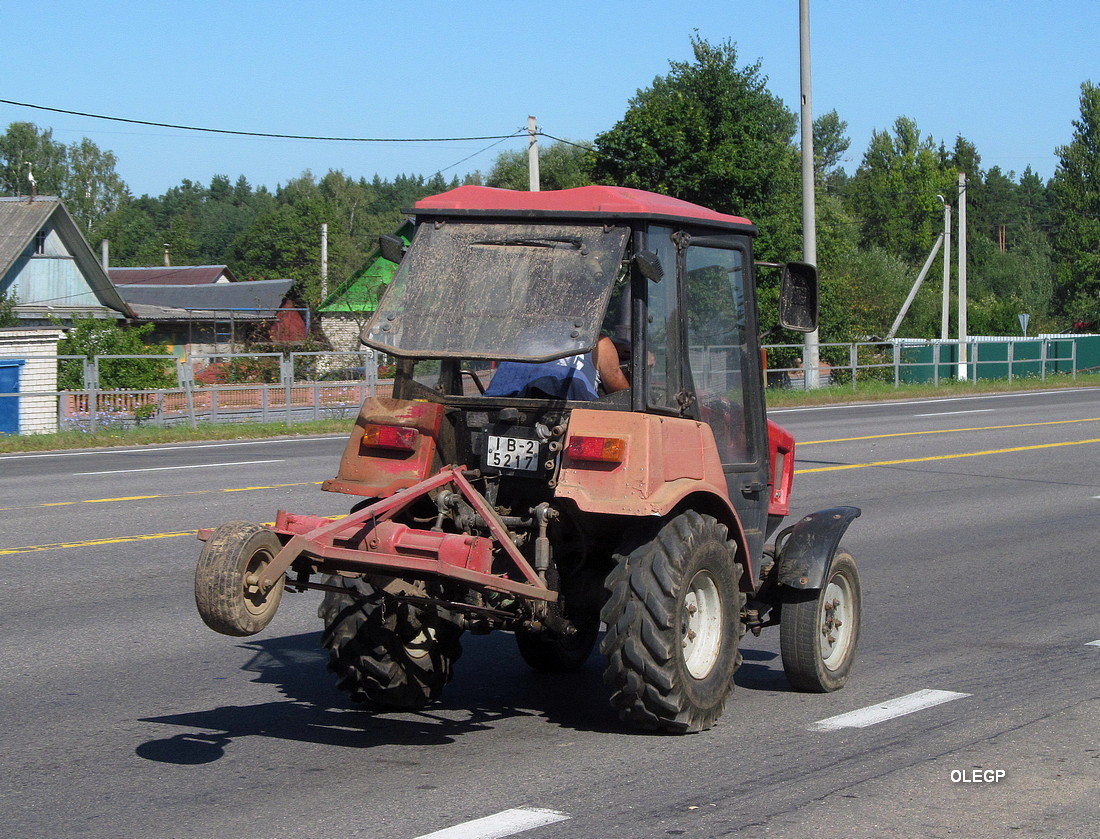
(149,435)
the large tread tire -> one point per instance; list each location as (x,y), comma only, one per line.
(549,652)
(673,618)
(388,657)
(819,629)
(224,599)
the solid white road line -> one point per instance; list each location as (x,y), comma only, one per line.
(1093,644)
(168,468)
(502,824)
(899,707)
(954,413)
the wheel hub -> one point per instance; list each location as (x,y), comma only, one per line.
(701,625)
(836,628)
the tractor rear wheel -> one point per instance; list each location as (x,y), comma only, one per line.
(226,594)
(390,656)
(819,629)
(673,619)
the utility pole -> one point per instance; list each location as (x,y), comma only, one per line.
(963,369)
(324,260)
(945,316)
(810,352)
(532,154)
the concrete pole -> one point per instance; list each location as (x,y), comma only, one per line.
(945,316)
(324,260)
(105,254)
(963,367)
(810,352)
(532,154)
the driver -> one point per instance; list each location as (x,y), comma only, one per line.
(573,378)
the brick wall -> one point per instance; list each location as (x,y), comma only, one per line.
(37,413)
(342,332)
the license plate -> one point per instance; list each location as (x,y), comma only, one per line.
(512,453)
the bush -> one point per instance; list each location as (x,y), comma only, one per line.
(90,337)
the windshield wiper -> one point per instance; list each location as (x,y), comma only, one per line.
(572,244)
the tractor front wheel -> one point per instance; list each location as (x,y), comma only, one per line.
(673,618)
(387,655)
(819,630)
(226,591)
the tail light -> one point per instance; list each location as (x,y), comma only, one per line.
(394,437)
(604,449)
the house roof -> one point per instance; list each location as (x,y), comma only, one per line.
(171,275)
(250,300)
(360,292)
(22,218)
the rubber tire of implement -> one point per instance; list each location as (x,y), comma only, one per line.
(233,550)
(549,652)
(389,657)
(651,590)
(809,661)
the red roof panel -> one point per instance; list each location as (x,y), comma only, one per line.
(608,200)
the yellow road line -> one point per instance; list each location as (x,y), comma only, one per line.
(91,543)
(943,457)
(943,431)
(117,540)
(163,495)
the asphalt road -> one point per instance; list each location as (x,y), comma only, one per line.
(121,715)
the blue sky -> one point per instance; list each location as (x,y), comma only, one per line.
(1006,75)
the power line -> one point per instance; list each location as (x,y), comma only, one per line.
(261,133)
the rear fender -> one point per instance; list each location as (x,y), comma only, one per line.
(808,550)
(668,464)
(377,473)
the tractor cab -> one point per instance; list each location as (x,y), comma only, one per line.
(498,283)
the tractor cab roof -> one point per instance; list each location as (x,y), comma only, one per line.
(606,202)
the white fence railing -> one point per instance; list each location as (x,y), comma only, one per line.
(294,387)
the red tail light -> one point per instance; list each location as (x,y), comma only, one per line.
(390,437)
(606,449)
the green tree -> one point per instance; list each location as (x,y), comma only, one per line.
(895,190)
(710,132)
(561,166)
(830,144)
(91,337)
(91,187)
(1076,192)
(8,317)
(25,143)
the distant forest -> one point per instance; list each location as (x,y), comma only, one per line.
(710,132)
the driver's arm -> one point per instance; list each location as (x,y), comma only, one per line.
(607,362)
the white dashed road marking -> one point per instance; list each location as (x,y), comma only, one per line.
(505,823)
(1093,644)
(899,707)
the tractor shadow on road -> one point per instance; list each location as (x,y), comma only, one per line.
(758,671)
(492,685)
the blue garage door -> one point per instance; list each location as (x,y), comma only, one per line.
(9,405)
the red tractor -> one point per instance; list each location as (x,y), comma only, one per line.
(577,441)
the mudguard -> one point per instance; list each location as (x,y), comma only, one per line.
(808,551)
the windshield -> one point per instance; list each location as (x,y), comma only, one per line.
(500,290)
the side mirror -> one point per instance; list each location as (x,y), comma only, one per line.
(649,265)
(392,247)
(798,297)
